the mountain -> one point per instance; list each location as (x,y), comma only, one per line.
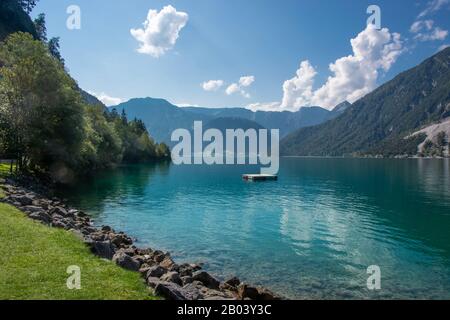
(340,108)
(90,99)
(378,123)
(285,121)
(225,123)
(162,118)
(14,19)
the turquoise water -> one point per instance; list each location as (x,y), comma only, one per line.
(312,234)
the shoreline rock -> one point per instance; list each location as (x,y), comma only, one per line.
(160,272)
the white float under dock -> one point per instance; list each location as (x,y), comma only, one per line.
(259,177)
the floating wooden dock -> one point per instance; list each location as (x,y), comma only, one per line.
(259,177)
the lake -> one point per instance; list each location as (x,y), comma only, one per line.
(310,235)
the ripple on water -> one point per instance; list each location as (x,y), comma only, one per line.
(312,234)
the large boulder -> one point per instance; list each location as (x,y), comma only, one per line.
(172,291)
(126,262)
(205,278)
(103,249)
(59,211)
(33,209)
(156,271)
(231,284)
(265,294)
(167,263)
(152,282)
(41,216)
(24,200)
(245,291)
(187,269)
(172,277)
(121,240)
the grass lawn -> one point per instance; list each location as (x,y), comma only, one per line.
(34,259)
(4,169)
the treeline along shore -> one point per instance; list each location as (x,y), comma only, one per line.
(49,130)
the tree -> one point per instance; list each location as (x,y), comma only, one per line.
(41,29)
(441,139)
(47,127)
(163,151)
(28,5)
(124,117)
(53,47)
(42,107)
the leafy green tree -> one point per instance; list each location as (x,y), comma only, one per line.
(27,5)
(163,151)
(102,139)
(43,108)
(53,47)
(47,127)
(41,28)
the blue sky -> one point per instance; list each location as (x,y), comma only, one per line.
(264,41)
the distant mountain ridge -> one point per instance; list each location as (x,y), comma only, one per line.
(162,118)
(378,123)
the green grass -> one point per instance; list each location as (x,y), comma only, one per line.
(34,259)
(4,170)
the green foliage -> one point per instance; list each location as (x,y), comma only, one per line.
(431,150)
(47,127)
(393,146)
(44,112)
(441,139)
(162,150)
(437,148)
(35,258)
(5,171)
(379,122)
(41,29)
(53,43)
(53,47)
(27,5)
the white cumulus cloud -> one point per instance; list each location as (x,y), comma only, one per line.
(298,91)
(356,75)
(160,31)
(232,88)
(353,76)
(212,85)
(244,82)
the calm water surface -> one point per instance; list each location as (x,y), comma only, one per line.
(312,234)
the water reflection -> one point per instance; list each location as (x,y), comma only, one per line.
(312,234)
